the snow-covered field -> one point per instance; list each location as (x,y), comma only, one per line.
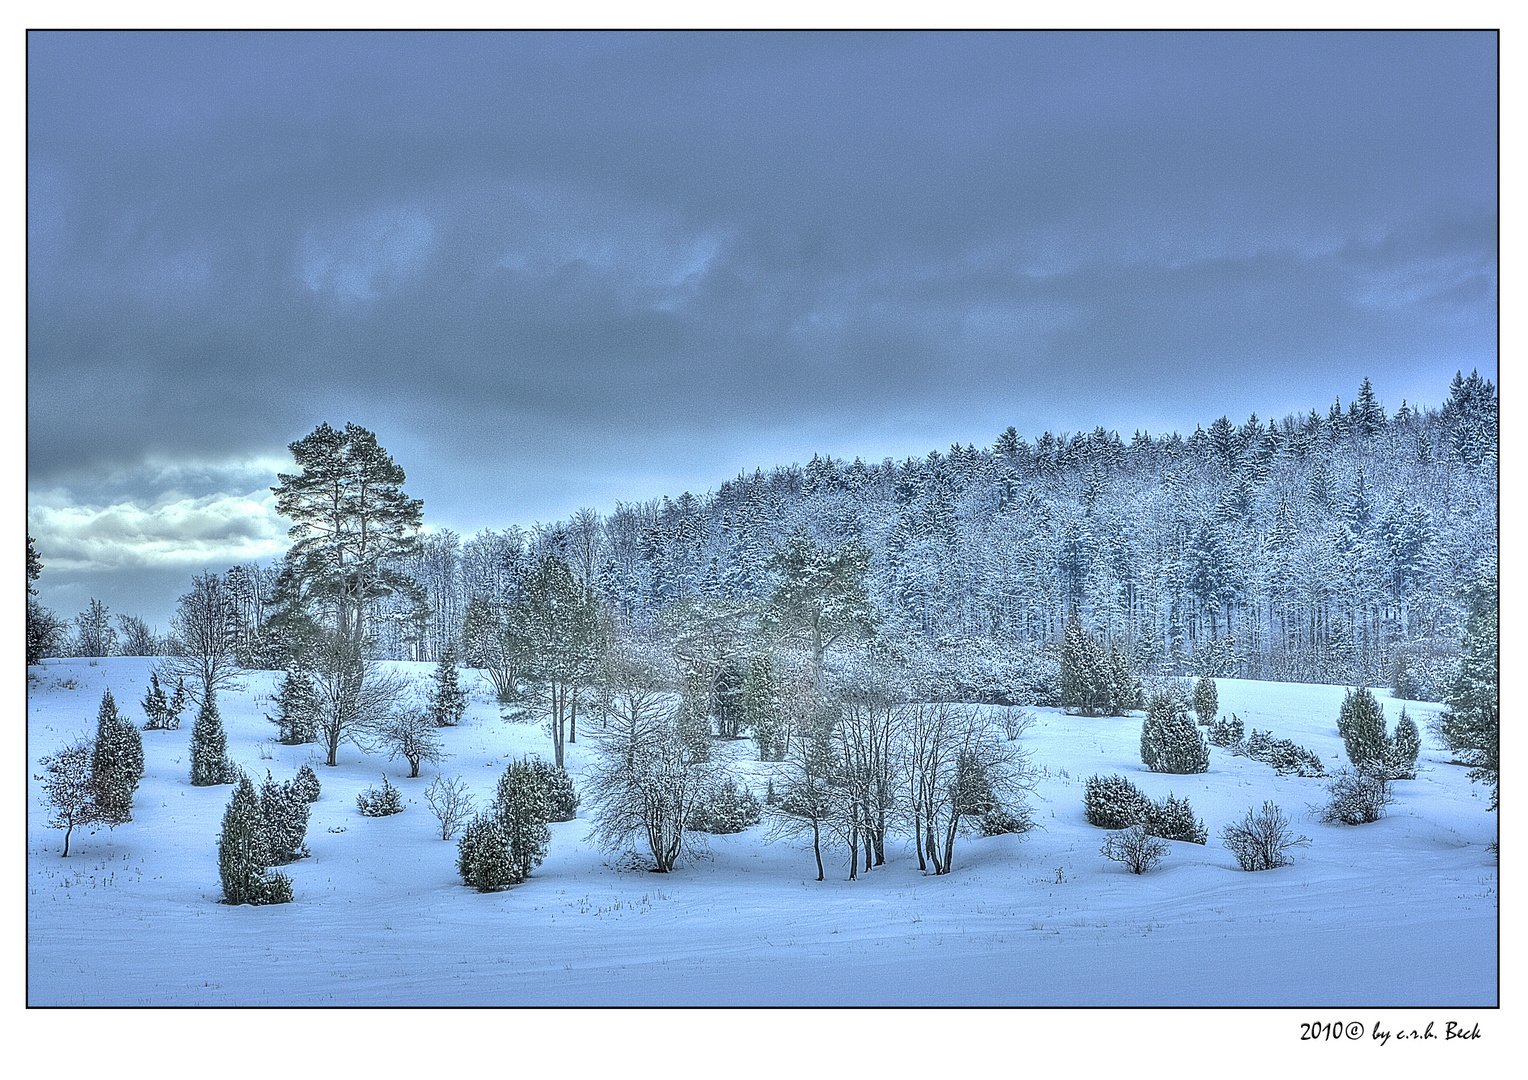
(1399,912)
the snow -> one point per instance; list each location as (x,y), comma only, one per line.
(1399,912)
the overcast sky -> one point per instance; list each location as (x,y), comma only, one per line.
(558,271)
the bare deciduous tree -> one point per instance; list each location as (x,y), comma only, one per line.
(204,637)
(451,803)
(356,696)
(412,735)
(66,783)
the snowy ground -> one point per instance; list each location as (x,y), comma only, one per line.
(1399,912)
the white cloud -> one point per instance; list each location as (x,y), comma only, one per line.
(173,532)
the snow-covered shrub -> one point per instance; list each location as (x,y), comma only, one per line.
(728,810)
(244,853)
(1173,819)
(1015,722)
(1113,802)
(1134,847)
(116,765)
(562,799)
(209,747)
(1287,757)
(379,802)
(520,803)
(1170,741)
(1261,840)
(1258,747)
(307,783)
(482,855)
(999,821)
(1227,732)
(1357,798)
(1206,701)
(450,802)
(284,816)
(1361,723)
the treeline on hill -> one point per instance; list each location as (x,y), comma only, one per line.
(1339,548)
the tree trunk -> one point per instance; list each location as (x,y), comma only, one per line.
(816,846)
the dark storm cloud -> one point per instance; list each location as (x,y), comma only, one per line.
(554,271)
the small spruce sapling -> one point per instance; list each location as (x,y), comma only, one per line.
(297,709)
(1113,802)
(1170,741)
(1361,723)
(1401,760)
(284,816)
(379,802)
(562,798)
(163,711)
(307,783)
(448,702)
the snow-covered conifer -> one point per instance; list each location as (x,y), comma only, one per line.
(1113,802)
(297,709)
(1404,746)
(762,708)
(209,747)
(482,855)
(1170,741)
(1206,701)
(244,853)
(284,816)
(116,765)
(520,803)
(728,810)
(1173,819)
(448,701)
(1361,724)
(562,798)
(379,802)
(307,783)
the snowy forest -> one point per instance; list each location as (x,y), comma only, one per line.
(1333,547)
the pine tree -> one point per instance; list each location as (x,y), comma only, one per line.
(730,713)
(209,747)
(297,709)
(761,708)
(1404,747)
(1361,724)
(1471,726)
(1206,700)
(244,855)
(693,725)
(116,765)
(482,855)
(284,817)
(448,701)
(522,808)
(1170,741)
